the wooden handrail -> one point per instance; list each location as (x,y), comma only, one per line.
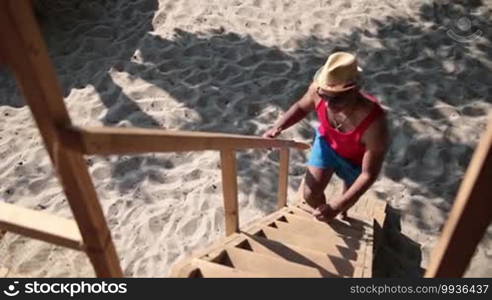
(470,216)
(112,140)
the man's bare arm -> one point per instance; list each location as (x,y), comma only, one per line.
(295,113)
(376,140)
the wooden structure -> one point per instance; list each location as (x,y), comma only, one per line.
(470,216)
(291,243)
(281,239)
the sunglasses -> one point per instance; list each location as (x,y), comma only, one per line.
(340,97)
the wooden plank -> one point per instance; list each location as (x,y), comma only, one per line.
(359,270)
(302,211)
(229,189)
(362,258)
(327,237)
(110,140)
(283,179)
(40,225)
(253,262)
(379,212)
(26,54)
(306,242)
(355,221)
(368,259)
(185,270)
(324,229)
(219,245)
(361,243)
(327,265)
(360,207)
(214,270)
(470,216)
(365,259)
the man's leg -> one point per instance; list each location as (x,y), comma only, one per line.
(315,182)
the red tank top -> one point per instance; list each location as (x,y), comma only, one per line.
(347,144)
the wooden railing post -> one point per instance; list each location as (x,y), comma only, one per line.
(23,49)
(283,178)
(470,216)
(229,189)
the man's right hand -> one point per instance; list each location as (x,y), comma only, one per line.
(272,133)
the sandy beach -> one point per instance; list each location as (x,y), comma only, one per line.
(236,66)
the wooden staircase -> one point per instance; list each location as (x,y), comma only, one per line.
(291,243)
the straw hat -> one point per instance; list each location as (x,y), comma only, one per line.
(339,73)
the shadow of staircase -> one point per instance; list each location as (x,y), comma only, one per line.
(398,255)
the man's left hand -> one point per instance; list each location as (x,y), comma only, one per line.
(326,212)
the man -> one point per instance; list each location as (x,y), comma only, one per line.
(351,140)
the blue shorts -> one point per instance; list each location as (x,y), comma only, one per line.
(324,157)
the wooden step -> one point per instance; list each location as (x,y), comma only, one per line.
(327,265)
(354,222)
(311,226)
(255,262)
(306,242)
(325,233)
(202,268)
(322,228)
(362,209)
(331,239)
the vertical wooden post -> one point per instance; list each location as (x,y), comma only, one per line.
(229,189)
(470,216)
(283,178)
(23,49)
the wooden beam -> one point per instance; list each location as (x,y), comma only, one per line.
(470,216)
(40,225)
(283,178)
(113,140)
(229,188)
(25,52)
